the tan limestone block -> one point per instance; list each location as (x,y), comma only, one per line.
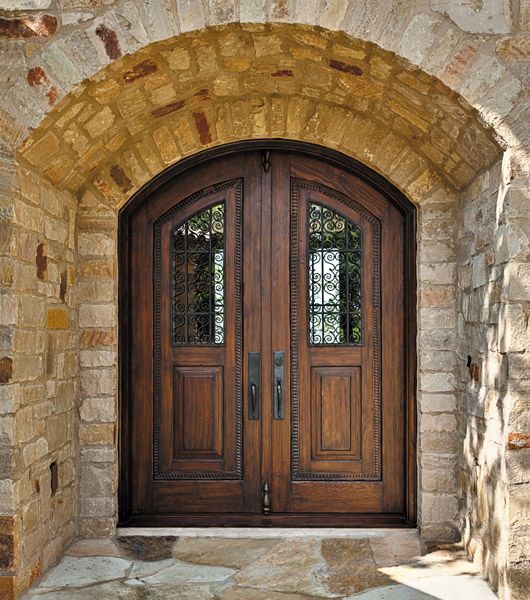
(95,244)
(57,318)
(96,434)
(206,57)
(40,151)
(156,81)
(240,119)
(259,117)
(266,45)
(99,410)
(59,168)
(57,431)
(27,367)
(165,144)
(97,338)
(163,95)
(24,424)
(131,104)
(97,315)
(237,63)
(8,307)
(100,123)
(420,187)
(226,85)
(437,296)
(30,516)
(98,382)
(30,310)
(177,58)
(149,157)
(29,217)
(184,132)
(96,268)
(97,527)
(234,44)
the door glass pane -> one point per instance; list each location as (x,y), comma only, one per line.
(199,278)
(334,278)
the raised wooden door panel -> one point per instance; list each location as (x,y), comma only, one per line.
(335,415)
(198,413)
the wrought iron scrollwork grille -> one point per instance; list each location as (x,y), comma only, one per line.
(334,278)
(198,275)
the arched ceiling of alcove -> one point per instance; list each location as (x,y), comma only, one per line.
(176,97)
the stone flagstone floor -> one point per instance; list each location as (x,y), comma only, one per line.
(261,565)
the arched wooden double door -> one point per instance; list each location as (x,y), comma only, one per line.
(266,346)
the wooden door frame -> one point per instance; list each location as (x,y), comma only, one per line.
(355,168)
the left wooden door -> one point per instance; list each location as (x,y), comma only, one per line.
(192,449)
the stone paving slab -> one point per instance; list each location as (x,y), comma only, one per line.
(83,571)
(376,567)
(236,553)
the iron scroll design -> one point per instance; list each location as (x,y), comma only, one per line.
(237,472)
(334,258)
(296,473)
(198,278)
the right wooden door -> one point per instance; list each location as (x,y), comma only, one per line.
(338,330)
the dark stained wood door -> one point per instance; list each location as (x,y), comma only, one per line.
(265,379)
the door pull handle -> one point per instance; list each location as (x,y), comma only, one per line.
(253,400)
(279,393)
(254,386)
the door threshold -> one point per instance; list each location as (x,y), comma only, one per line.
(265,532)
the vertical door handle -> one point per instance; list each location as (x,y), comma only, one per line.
(279,394)
(279,398)
(253,400)
(254,386)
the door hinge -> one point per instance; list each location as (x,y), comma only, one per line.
(266,159)
(266,499)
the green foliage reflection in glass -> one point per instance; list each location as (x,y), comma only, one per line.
(334,278)
(199,278)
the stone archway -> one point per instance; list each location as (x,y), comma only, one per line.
(126,123)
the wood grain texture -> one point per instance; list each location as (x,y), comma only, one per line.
(350,410)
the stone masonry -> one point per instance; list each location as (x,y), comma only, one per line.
(99,96)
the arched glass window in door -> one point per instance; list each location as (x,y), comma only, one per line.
(334,278)
(198,273)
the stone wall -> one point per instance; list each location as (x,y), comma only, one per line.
(493,376)
(98,352)
(438,443)
(39,375)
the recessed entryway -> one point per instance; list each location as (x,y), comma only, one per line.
(266,301)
